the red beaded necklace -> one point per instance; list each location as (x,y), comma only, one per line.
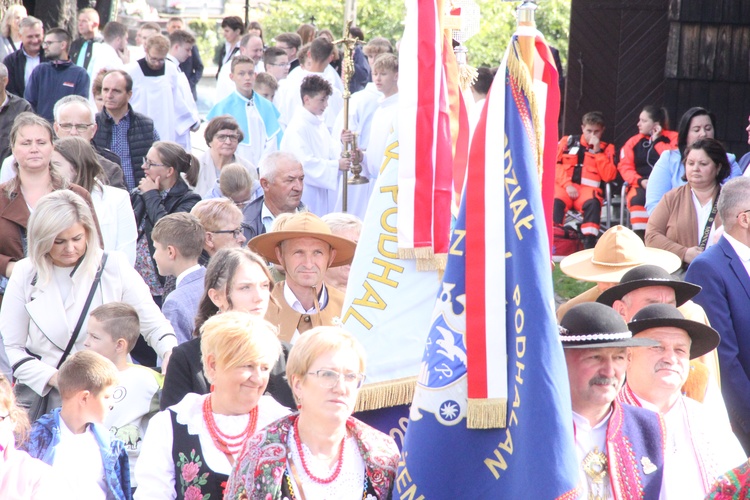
(339,461)
(229,445)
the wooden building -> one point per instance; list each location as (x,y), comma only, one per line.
(625,54)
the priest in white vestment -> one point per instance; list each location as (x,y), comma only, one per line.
(159,94)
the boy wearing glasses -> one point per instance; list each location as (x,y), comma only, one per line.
(258,118)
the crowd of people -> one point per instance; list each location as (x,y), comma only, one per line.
(160,307)
(169,316)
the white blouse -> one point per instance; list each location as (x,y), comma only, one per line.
(349,483)
(154,470)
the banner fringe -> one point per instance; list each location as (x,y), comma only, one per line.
(486,413)
(520,73)
(406,254)
(386,394)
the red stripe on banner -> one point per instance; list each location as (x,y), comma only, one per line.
(461,156)
(425,133)
(552,111)
(476,340)
(443,190)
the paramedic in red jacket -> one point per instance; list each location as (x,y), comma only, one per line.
(638,156)
(583,163)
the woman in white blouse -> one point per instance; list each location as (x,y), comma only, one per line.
(191,447)
(76,161)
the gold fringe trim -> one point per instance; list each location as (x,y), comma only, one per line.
(435,263)
(486,413)
(406,254)
(467,75)
(386,394)
(520,73)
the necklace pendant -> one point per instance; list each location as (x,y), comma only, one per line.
(595,467)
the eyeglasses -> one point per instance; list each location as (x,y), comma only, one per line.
(50,42)
(80,127)
(743,212)
(227,137)
(149,164)
(154,60)
(235,232)
(242,204)
(286,65)
(328,379)
(3,417)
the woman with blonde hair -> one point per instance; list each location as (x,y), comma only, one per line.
(191,447)
(322,451)
(31,142)
(75,159)
(45,312)
(10,34)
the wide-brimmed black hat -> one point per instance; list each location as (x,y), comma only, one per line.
(591,325)
(648,275)
(704,338)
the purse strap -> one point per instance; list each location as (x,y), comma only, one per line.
(84,312)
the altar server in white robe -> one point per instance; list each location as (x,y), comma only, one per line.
(158,93)
(385,78)
(257,116)
(308,138)
(287,99)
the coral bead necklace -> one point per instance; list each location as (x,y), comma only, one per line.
(227,444)
(339,460)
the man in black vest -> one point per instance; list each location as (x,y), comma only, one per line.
(127,133)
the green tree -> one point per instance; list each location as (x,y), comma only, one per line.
(386,19)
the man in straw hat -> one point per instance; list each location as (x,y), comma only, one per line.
(620,448)
(305,247)
(699,447)
(618,251)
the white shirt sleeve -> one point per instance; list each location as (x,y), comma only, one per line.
(154,470)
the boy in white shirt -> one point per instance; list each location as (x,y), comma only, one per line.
(74,440)
(308,138)
(113,329)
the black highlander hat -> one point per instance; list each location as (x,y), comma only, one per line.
(648,275)
(592,325)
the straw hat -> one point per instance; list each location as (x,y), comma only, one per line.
(591,325)
(303,225)
(704,338)
(645,276)
(618,251)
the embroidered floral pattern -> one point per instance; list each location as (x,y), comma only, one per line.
(261,466)
(190,481)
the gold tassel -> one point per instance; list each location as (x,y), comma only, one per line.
(386,394)
(520,73)
(467,75)
(486,413)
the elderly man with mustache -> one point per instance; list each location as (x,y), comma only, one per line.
(698,448)
(620,447)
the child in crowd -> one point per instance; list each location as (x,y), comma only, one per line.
(266,85)
(113,330)
(178,243)
(74,440)
(237,184)
(308,138)
(257,117)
